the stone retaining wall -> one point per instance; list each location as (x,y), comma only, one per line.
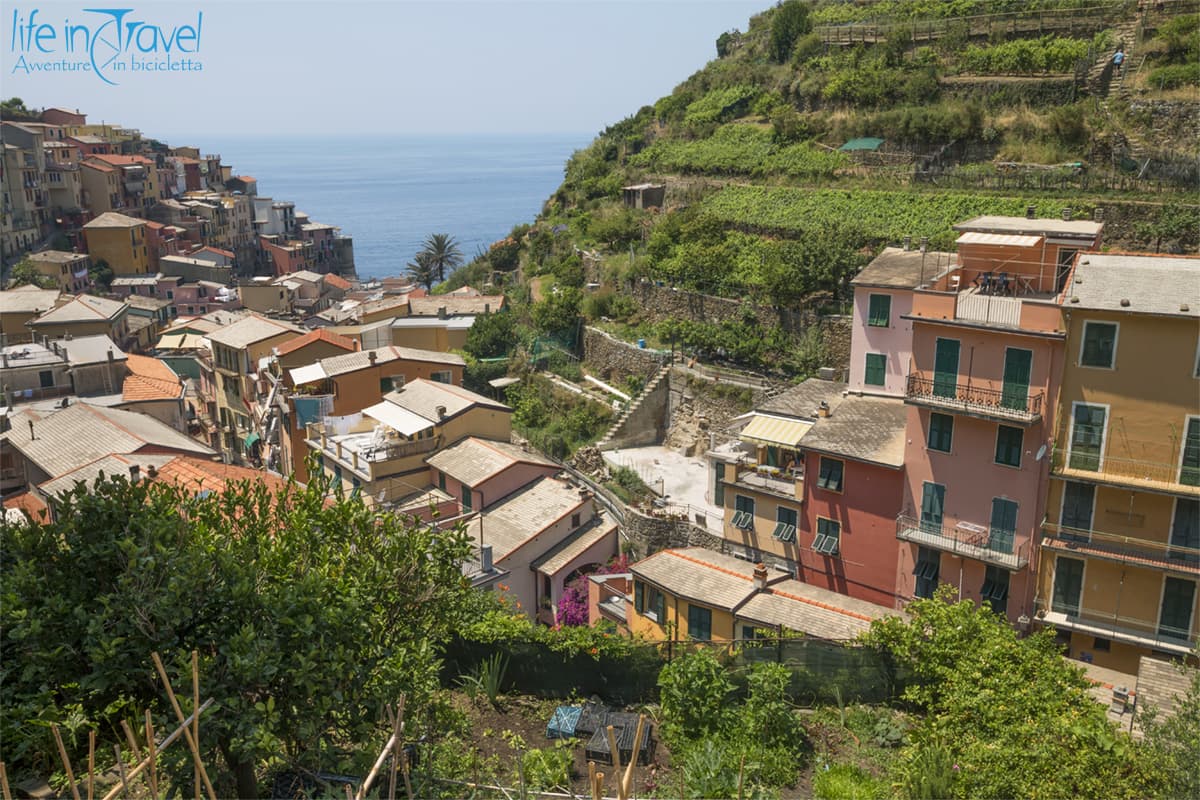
(613,359)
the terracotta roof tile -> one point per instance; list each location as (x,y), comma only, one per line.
(31,504)
(149,379)
(197,473)
(319,335)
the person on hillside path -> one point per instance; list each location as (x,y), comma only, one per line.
(1118,59)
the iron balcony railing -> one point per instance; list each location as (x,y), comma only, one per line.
(1000,548)
(1073,615)
(1003,404)
(1130,550)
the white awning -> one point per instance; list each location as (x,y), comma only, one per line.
(397,418)
(776,430)
(1006,239)
(307,374)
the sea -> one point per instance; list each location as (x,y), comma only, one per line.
(391,192)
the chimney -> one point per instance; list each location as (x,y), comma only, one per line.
(110,355)
(1030,212)
(5,357)
(151,472)
(485,558)
(1066,215)
(487,308)
(441,412)
(907,243)
(1098,214)
(924,244)
(31,433)
(441,312)
(760,577)
(372,356)
(823,410)
(134,473)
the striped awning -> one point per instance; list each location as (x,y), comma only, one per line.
(770,430)
(1005,239)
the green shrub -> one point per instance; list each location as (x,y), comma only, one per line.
(846,782)
(550,767)
(788,23)
(1173,76)
(720,105)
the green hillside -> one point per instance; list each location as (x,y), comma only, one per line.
(961,108)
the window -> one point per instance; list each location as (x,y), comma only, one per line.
(876,369)
(1099,347)
(46,378)
(1175,617)
(442,376)
(1003,527)
(1189,473)
(576,520)
(829,534)
(1185,530)
(1068,586)
(995,589)
(656,604)
(699,623)
(466,495)
(639,597)
(785,524)
(1087,436)
(1009,443)
(719,483)
(754,635)
(933,500)
(442,481)
(1101,645)
(941,432)
(830,475)
(1079,500)
(945,368)
(743,512)
(927,569)
(879,311)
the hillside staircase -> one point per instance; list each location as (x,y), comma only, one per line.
(618,425)
(1101,75)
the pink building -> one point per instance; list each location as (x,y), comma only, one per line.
(987,354)
(881,348)
(480,472)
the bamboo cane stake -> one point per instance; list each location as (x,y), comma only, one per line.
(196,777)
(395,753)
(408,790)
(627,779)
(616,761)
(383,754)
(121,769)
(193,745)
(151,755)
(133,745)
(62,752)
(144,763)
(592,787)
(91,784)
(4,782)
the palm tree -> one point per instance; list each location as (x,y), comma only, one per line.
(421,270)
(443,253)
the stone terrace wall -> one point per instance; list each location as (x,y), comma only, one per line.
(612,358)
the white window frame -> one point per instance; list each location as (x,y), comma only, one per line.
(1196,364)
(1083,342)
(1062,506)
(1187,421)
(447,373)
(1103,436)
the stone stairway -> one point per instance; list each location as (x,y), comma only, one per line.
(1125,34)
(619,422)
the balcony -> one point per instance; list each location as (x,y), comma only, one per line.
(788,484)
(974,401)
(1119,627)
(1129,550)
(1132,473)
(135,187)
(967,540)
(361,450)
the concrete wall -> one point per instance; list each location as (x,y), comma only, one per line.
(644,422)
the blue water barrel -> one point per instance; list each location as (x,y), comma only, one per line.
(642,343)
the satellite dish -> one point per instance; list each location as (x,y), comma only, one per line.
(1040,453)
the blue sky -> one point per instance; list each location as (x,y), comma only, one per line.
(306,68)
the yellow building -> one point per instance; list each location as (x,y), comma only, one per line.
(120,241)
(698,594)
(1120,550)
(68,270)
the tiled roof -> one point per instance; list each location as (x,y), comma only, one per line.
(112,465)
(862,428)
(454,304)
(83,350)
(811,610)
(1039,226)
(707,577)
(66,439)
(201,474)
(319,335)
(803,399)
(30,504)
(473,461)
(56,256)
(149,379)
(337,281)
(423,397)
(562,554)
(111,219)
(1136,284)
(897,268)
(251,329)
(522,516)
(27,299)
(123,161)
(81,308)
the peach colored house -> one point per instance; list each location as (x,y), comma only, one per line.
(987,358)
(480,472)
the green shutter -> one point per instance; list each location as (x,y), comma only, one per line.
(941,432)
(1009,443)
(1190,473)
(719,488)
(945,368)
(1076,519)
(1017,367)
(933,499)
(1003,525)
(1099,344)
(1087,436)
(699,623)
(1068,586)
(830,474)
(876,372)
(1175,618)
(639,596)
(879,311)
(1185,530)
